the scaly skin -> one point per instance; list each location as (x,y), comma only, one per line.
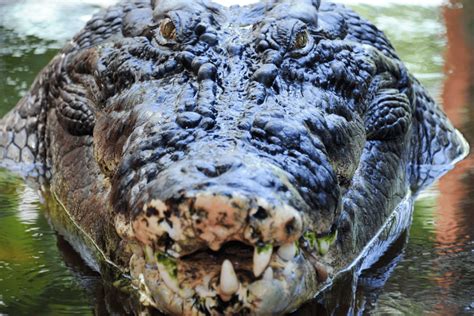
(229,159)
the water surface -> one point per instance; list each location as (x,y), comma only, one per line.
(433,274)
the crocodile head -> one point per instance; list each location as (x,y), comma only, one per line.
(250,152)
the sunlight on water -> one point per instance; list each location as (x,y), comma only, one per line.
(33,276)
(427,3)
(46,19)
(28,206)
(376,3)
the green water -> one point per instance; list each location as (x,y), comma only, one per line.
(41,275)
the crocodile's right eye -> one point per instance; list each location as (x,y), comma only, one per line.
(301,40)
(168,29)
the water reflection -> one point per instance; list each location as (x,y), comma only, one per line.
(437,274)
(433,273)
(32,273)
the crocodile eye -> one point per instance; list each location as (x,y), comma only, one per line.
(301,40)
(168,29)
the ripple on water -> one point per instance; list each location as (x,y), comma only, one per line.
(33,274)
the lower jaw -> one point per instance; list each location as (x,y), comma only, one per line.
(293,283)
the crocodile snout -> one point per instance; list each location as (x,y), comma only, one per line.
(197,204)
(222,231)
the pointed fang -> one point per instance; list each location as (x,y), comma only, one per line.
(288,251)
(268,275)
(323,247)
(168,279)
(325,243)
(229,282)
(149,254)
(261,259)
(168,271)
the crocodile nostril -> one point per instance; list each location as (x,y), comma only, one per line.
(261,213)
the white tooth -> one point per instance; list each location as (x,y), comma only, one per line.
(323,247)
(288,251)
(229,282)
(149,254)
(169,280)
(145,293)
(325,243)
(261,259)
(268,274)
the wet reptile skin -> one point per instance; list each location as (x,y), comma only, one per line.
(179,134)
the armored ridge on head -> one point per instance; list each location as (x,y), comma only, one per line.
(229,159)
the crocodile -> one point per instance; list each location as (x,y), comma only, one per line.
(227,159)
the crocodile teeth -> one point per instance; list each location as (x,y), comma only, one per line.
(325,242)
(287,251)
(149,255)
(229,282)
(261,259)
(168,279)
(268,275)
(323,246)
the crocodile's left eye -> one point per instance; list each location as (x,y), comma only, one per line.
(168,29)
(301,40)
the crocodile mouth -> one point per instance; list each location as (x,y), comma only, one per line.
(209,282)
(211,253)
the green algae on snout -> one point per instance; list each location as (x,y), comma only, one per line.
(310,238)
(265,248)
(325,242)
(168,263)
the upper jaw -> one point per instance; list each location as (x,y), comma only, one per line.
(186,209)
(209,220)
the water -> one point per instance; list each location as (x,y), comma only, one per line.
(433,274)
